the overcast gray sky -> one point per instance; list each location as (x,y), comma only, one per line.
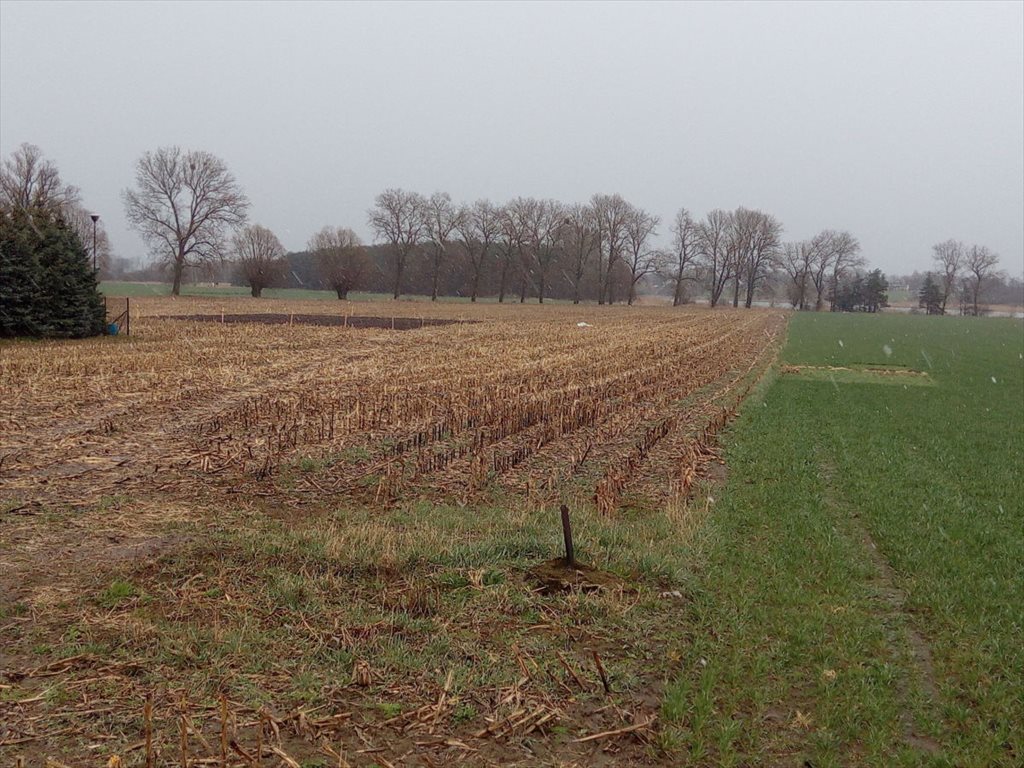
(903,123)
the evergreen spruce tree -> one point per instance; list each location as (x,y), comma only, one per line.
(70,292)
(875,291)
(47,284)
(930,296)
(19,277)
(849,294)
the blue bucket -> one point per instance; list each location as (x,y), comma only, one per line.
(112,329)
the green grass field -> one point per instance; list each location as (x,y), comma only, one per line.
(858,593)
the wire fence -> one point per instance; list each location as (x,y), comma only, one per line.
(119,317)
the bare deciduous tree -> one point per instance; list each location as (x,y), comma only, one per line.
(979,264)
(184,205)
(581,240)
(797,262)
(764,234)
(260,257)
(30,181)
(610,213)
(641,259)
(821,262)
(510,244)
(479,227)
(523,214)
(677,264)
(843,252)
(738,244)
(545,234)
(833,255)
(713,248)
(442,219)
(399,218)
(340,259)
(949,257)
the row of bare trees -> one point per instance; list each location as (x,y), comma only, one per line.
(817,267)
(523,241)
(184,202)
(340,257)
(965,267)
(191,210)
(730,252)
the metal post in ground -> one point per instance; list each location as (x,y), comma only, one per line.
(570,555)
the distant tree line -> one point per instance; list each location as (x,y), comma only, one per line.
(186,203)
(190,210)
(193,214)
(963,276)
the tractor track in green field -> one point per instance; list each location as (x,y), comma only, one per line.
(904,639)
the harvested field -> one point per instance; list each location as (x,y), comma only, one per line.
(323,538)
(445,413)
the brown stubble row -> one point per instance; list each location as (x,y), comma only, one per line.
(604,455)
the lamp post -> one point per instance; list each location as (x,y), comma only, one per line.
(95,217)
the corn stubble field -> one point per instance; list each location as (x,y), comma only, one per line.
(242,544)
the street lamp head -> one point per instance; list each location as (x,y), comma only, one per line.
(95,217)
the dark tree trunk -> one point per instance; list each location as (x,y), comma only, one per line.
(476,285)
(434,278)
(176,287)
(342,292)
(717,288)
(257,290)
(504,277)
(399,265)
